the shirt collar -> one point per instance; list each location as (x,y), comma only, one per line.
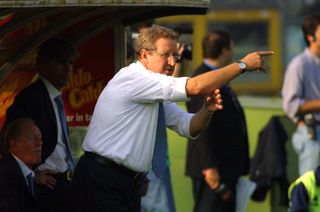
(53,92)
(24,168)
(213,67)
(315,58)
(138,63)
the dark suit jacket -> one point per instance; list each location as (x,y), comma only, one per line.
(34,102)
(269,163)
(224,144)
(14,193)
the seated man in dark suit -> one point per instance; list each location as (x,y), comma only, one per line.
(23,151)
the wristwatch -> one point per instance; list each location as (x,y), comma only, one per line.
(242,66)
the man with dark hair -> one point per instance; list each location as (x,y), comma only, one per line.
(220,155)
(43,103)
(301,96)
(23,152)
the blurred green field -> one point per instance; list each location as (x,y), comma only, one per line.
(256,120)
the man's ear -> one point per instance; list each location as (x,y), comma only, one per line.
(144,56)
(143,53)
(225,50)
(311,38)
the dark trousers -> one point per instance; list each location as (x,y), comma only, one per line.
(98,188)
(207,200)
(57,199)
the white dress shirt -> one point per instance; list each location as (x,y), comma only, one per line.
(56,162)
(123,124)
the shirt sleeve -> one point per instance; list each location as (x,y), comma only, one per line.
(299,199)
(177,119)
(145,86)
(292,90)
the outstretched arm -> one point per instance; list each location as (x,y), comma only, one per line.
(209,81)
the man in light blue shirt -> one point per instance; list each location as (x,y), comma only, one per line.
(301,93)
(121,136)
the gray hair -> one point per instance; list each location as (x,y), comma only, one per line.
(148,37)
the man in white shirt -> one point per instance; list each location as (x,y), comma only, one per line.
(121,136)
(23,145)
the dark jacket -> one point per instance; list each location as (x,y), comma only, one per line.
(34,102)
(269,161)
(14,193)
(224,143)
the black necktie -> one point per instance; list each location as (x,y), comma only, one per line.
(31,184)
(159,160)
(65,139)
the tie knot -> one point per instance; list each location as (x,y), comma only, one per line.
(30,176)
(58,100)
(161,107)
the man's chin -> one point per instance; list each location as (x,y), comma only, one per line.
(169,73)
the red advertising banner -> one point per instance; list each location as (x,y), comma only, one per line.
(93,69)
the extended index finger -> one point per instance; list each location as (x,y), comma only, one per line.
(265,53)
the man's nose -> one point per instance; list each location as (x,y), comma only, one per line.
(172,60)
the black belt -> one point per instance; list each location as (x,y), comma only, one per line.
(110,163)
